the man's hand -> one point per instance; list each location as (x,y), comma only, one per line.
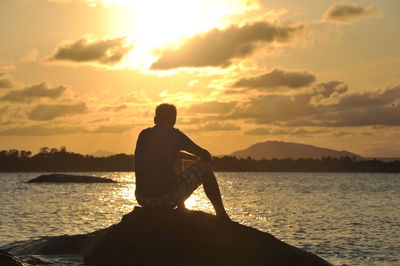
(186,156)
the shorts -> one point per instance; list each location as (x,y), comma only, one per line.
(186,183)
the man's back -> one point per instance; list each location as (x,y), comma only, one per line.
(157,148)
(155,155)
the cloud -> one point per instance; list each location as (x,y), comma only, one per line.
(38,130)
(52,111)
(3,110)
(6,66)
(371,99)
(104,51)
(31,56)
(346,12)
(136,97)
(44,130)
(266,109)
(218,47)
(293,132)
(37,91)
(212,107)
(215,126)
(326,89)
(349,110)
(115,108)
(5,83)
(277,78)
(111,129)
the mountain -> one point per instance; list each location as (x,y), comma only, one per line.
(280,150)
(101,153)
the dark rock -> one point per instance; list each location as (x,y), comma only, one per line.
(6,259)
(64,178)
(150,237)
(146,237)
(35,260)
(55,245)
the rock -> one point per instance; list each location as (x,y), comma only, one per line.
(150,237)
(6,259)
(64,178)
(55,245)
(146,237)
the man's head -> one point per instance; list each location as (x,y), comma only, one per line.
(165,115)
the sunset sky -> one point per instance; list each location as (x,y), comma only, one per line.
(88,74)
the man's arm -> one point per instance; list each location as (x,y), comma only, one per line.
(186,156)
(188,145)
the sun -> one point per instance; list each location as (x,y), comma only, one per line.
(155,24)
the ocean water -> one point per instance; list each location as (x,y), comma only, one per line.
(346,218)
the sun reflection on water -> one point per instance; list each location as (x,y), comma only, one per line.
(198,201)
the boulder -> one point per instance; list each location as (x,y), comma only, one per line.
(154,237)
(6,259)
(160,237)
(65,178)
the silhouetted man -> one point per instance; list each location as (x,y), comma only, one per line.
(157,149)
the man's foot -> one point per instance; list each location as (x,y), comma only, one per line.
(223,217)
(181,207)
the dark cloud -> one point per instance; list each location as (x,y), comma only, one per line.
(38,130)
(3,110)
(259,131)
(346,12)
(34,92)
(5,83)
(115,108)
(277,78)
(372,99)
(212,107)
(215,126)
(44,130)
(386,116)
(52,111)
(111,129)
(271,108)
(348,109)
(326,89)
(106,51)
(218,47)
(293,132)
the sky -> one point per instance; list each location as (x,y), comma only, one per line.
(88,74)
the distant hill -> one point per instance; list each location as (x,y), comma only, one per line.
(281,150)
(101,153)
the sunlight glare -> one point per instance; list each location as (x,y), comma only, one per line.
(156,24)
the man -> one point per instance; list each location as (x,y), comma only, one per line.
(157,149)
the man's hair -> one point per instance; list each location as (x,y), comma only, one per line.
(165,114)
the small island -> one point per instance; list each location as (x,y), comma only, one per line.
(66,178)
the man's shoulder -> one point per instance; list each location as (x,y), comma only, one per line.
(155,130)
(178,132)
(146,130)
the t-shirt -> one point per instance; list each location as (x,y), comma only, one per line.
(156,151)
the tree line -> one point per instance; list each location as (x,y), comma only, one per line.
(61,160)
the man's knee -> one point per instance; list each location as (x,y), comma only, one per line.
(206,165)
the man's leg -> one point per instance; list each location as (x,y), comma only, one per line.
(213,193)
(181,206)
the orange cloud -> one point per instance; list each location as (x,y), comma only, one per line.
(109,51)
(37,91)
(217,48)
(346,12)
(52,111)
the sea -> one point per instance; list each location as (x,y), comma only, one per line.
(345,218)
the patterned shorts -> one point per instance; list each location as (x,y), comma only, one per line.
(186,183)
